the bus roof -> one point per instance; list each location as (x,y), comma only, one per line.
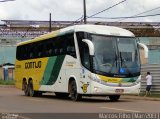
(96,29)
(100,29)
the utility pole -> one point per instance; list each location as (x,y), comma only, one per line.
(84,8)
(50,21)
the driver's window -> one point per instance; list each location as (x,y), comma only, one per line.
(84,51)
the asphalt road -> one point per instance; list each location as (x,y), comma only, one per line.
(13,101)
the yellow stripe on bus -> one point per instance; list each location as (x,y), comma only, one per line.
(110,79)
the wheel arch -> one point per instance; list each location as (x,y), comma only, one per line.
(24,80)
(72,78)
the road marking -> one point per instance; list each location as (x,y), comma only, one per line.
(37,100)
(22,117)
(120,109)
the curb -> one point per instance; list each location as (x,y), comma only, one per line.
(140,98)
(7,86)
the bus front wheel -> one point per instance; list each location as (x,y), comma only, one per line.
(114,98)
(73,91)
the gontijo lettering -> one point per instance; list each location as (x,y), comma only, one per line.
(32,65)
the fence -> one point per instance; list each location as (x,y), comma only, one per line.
(154,69)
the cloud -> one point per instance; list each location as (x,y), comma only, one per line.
(3,14)
(132,7)
(73,9)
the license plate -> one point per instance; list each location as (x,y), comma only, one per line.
(119,90)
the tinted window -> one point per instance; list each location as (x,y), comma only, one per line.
(60,45)
(84,50)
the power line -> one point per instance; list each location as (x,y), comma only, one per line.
(79,19)
(140,13)
(76,21)
(123,18)
(150,15)
(107,8)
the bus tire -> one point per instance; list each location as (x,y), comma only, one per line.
(73,91)
(30,88)
(25,88)
(114,98)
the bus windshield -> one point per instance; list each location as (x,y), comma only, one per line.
(116,56)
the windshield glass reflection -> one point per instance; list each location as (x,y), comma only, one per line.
(115,55)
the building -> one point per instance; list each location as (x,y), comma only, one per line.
(14,31)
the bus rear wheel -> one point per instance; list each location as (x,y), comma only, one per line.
(31,92)
(114,98)
(30,89)
(73,91)
(25,88)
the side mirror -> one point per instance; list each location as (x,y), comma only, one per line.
(90,46)
(145,49)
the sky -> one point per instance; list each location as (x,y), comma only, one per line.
(71,10)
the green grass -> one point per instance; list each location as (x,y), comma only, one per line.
(152,95)
(155,95)
(7,82)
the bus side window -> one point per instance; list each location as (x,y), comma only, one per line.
(71,50)
(61,51)
(24,53)
(39,54)
(27,51)
(31,55)
(20,54)
(56,51)
(70,46)
(50,51)
(57,46)
(49,48)
(41,50)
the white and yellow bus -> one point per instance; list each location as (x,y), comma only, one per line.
(80,60)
